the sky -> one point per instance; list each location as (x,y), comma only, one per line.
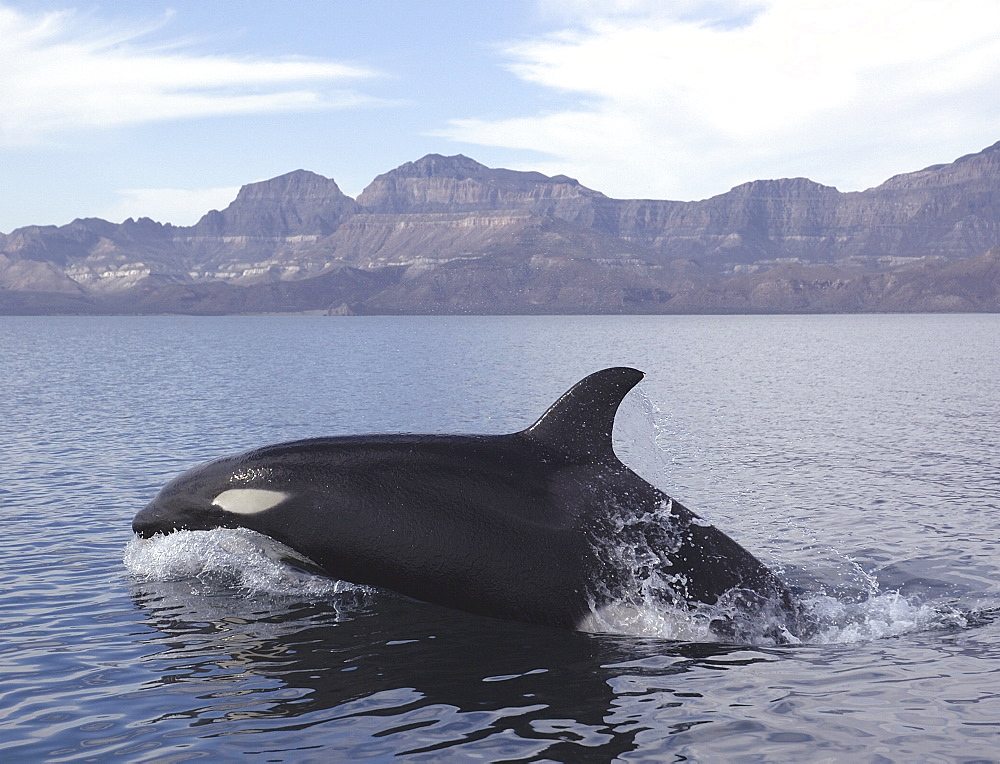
(164,109)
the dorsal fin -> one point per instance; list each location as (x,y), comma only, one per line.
(581,421)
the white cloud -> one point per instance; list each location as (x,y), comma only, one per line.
(689,101)
(180,206)
(61,72)
(587,12)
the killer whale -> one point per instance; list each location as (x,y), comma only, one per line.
(527,526)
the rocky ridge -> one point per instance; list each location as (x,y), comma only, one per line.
(450,235)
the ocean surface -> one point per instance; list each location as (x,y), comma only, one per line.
(857,456)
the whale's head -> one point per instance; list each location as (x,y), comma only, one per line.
(225,493)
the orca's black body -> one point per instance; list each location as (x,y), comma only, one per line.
(527,526)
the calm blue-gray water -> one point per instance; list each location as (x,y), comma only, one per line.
(858,456)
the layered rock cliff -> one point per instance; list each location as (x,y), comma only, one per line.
(448,234)
(300,203)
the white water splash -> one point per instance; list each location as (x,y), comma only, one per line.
(228,559)
(830,621)
(654,603)
(221,560)
(889,614)
(857,610)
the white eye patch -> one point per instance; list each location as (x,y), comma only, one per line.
(248,501)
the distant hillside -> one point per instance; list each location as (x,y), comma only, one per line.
(450,235)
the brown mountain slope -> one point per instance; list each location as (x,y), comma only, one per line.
(450,234)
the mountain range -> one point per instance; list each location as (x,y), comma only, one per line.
(450,235)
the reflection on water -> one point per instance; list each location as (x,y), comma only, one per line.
(402,677)
(388,676)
